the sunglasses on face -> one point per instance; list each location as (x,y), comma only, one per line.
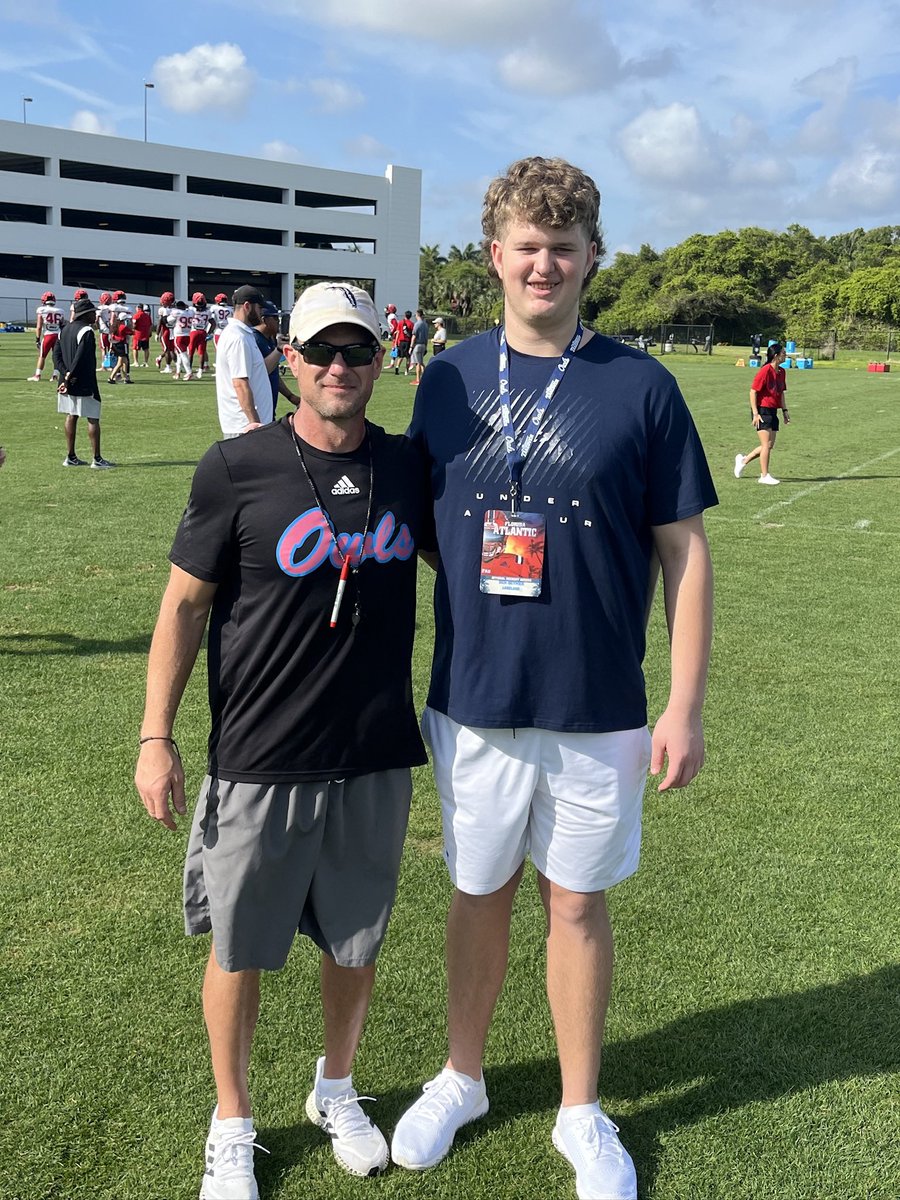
(322,354)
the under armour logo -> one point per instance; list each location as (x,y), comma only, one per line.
(348,295)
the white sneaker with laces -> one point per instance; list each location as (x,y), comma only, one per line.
(229,1160)
(357,1144)
(769,479)
(101,464)
(425,1132)
(738,465)
(586,1136)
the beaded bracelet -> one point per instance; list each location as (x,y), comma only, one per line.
(161,738)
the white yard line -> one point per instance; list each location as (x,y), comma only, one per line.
(711,517)
(817,487)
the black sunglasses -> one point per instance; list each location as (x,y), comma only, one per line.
(322,354)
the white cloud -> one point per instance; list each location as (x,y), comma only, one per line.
(86,121)
(671,145)
(204,76)
(366,146)
(335,96)
(560,65)
(867,182)
(280,151)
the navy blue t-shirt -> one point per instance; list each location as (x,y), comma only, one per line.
(617,453)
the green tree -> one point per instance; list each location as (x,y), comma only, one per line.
(469,253)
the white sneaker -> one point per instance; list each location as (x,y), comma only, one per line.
(33,379)
(199,374)
(589,1140)
(425,1132)
(770,479)
(188,376)
(738,465)
(101,464)
(357,1144)
(229,1160)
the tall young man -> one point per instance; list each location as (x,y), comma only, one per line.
(561,462)
(79,395)
(300,539)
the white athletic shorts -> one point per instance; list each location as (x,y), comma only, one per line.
(78,406)
(572,801)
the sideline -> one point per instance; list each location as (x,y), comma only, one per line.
(817,487)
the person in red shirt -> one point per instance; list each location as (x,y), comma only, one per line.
(141,325)
(766,398)
(402,341)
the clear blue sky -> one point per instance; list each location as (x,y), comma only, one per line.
(691,116)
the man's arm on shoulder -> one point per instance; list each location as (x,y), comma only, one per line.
(687,583)
(173,652)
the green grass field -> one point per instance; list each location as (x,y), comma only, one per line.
(754,1037)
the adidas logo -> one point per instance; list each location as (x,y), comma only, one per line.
(345,487)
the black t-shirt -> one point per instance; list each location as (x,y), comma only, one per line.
(291,698)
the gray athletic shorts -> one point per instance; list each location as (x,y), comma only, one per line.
(418,353)
(267,860)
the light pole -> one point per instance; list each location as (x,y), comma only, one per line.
(147,88)
(25,100)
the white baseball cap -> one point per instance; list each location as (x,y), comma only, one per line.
(326,304)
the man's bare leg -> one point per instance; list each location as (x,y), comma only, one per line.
(579,979)
(231,1009)
(477,956)
(346,992)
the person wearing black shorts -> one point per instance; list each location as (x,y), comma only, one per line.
(298,545)
(766,398)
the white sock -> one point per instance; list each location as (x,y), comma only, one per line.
(571,1112)
(332,1088)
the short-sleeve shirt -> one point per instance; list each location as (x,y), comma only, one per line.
(770,384)
(420,333)
(52,318)
(239,357)
(616,454)
(291,698)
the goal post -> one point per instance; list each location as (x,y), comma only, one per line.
(689,339)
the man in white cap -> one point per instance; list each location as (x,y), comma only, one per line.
(300,541)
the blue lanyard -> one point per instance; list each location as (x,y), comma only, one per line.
(517,451)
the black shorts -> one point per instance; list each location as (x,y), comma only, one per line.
(403,349)
(768,419)
(119,349)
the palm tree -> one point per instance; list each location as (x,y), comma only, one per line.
(469,253)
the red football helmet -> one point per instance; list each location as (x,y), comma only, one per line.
(198,298)
(167,298)
(105,298)
(48,298)
(391,308)
(221,298)
(80,294)
(118,295)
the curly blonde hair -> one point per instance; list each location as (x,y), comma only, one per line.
(542,191)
